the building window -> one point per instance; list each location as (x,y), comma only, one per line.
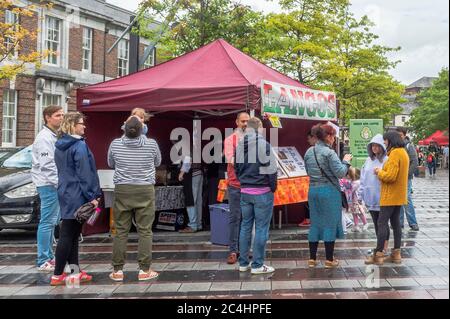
(87,49)
(53,39)
(122,55)
(13,19)
(150,61)
(403,119)
(9,118)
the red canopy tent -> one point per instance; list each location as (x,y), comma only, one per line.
(440,137)
(214,77)
(214,81)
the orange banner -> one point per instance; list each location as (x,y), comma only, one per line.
(289,191)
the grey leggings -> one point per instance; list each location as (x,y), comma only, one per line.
(389,213)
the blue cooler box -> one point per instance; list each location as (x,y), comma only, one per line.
(219,218)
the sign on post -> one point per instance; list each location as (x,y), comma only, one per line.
(361,132)
(293,102)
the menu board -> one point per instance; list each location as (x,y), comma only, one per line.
(290,161)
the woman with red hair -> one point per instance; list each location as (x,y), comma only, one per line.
(324,169)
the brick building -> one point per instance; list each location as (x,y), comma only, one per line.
(80,31)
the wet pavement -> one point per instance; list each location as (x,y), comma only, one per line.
(191,267)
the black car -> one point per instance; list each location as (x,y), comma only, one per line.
(19,200)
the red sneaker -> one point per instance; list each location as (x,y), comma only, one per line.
(84,277)
(58,280)
(305,223)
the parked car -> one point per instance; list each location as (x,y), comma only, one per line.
(19,200)
(7,152)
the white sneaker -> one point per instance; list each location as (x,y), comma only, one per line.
(116,275)
(262,270)
(47,267)
(245,268)
(355,229)
(365,227)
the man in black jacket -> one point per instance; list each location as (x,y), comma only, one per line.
(408,209)
(256,169)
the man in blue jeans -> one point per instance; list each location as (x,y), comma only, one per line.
(256,170)
(408,209)
(234,187)
(45,176)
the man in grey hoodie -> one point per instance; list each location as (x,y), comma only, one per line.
(413,163)
(134,158)
(44,175)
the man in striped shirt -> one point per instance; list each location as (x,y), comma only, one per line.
(134,158)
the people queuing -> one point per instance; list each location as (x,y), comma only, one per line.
(370,186)
(78,184)
(44,175)
(65,174)
(234,186)
(256,170)
(134,159)
(324,169)
(394,194)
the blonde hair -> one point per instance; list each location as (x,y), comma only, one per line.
(354,173)
(140,112)
(70,120)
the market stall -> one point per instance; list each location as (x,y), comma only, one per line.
(211,84)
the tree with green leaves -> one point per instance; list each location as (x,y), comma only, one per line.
(14,57)
(433,111)
(322,44)
(190,24)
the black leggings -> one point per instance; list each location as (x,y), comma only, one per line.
(329,250)
(375,216)
(389,213)
(67,248)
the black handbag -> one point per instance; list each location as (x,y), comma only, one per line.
(83,213)
(343,197)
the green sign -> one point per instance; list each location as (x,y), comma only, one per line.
(286,101)
(361,132)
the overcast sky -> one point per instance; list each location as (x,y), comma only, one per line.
(420,27)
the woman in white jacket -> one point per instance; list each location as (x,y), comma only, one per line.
(370,187)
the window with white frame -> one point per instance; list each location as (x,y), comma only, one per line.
(53,39)
(150,61)
(9,118)
(122,56)
(13,19)
(87,49)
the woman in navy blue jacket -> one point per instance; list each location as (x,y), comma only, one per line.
(78,184)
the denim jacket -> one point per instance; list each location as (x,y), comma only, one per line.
(328,161)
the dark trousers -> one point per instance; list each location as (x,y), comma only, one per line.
(329,250)
(67,248)
(375,215)
(392,214)
(234,202)
(432,167)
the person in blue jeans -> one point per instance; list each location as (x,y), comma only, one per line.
(256,170)
(44,175)
(408,209)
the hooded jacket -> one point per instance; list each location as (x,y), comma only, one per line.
(134,160)
(255,163)
(77,175)
(370,187)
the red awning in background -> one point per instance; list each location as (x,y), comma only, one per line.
(440,137)
(214,77)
